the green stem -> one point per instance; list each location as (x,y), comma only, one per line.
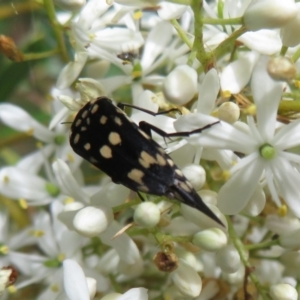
(33,56)
(296,55)
(229,42)
(265,257)
(244,258)
(126,205)
(206,59)
(233,21)
(183,2)
(49,6)
(182,33)
(264,245)
(283,50)
(163,238)
(289,106)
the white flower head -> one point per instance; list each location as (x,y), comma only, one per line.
(265,149)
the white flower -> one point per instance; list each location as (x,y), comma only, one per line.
(75,282)
(147,214)
(180,86)
(290,240)
(283,291)
(237,74)
(289,33)
(20,185)
(263,41)
(132,294)
(92,34)
(264,148)
(195,174)
(90,221)
(229,112)
(228,259)
(187,280)
(210,239)
(261,14)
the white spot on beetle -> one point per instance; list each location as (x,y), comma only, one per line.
(105,151)
(146,159)
(179,173)
(136,175)
(95,108)
(161,161)
(103,120)
(114,138)
(184,186)
(118,121)
(87,146)
(144,134)
(170,162)
(76,138)
(78,122)
(84,114)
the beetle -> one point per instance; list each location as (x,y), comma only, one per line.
(102,134)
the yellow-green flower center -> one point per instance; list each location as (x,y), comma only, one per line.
(267,151)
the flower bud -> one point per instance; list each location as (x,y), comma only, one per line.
(209,196)
(228,259)
(147,215)
(283,291)
(229,112)
(89,89)
(180,86)
(200,219)
(9,49)
(170,11)
(290,34)
(71,71)
(235,278)
(92,286)
(111,296)
(264,14)
(210,239)
(281,68)
(187,280)
(290,240)
(91,221)
(195,174)
(190,258)
(281,225)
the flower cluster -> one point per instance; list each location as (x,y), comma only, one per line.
(227,67)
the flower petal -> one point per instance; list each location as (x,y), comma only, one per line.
(18,119)
(267,94)
(208,92)
(288,181)
(264,41)
(71,71)
(135,294)
(75,284)
(67,182)
(236,192)
(288,136)
(237,74)
(157,40)
(220,136)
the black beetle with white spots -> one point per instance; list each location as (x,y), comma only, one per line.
(102,134)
